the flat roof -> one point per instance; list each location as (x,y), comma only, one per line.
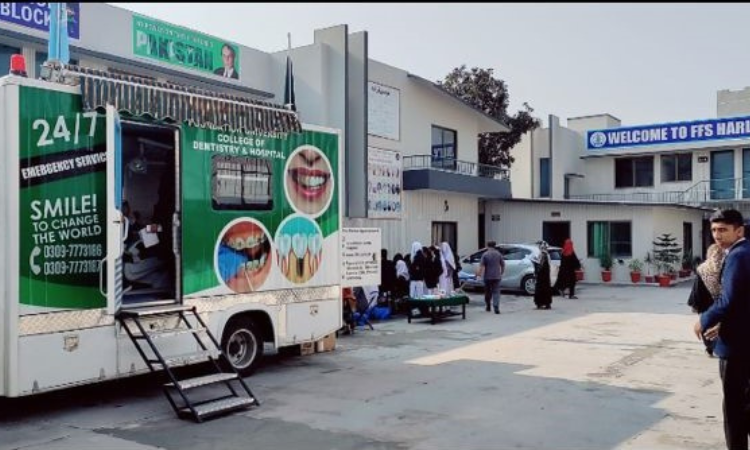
(602,202)
(491,122)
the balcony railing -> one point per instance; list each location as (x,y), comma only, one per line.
(453,165)
(706,191)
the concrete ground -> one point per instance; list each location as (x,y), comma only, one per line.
(617,368)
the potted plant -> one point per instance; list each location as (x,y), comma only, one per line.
(605,261)
(649,262)
(666,255)
(635,267)
(579,272)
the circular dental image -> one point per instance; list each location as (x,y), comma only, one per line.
(243,255)
(299,248)
(308,180)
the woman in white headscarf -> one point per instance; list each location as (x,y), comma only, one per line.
(416,271)
(449,266)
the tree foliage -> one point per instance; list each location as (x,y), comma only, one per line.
(480,89)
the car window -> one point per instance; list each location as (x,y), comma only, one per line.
(515,254)
(475,258)
(555,255)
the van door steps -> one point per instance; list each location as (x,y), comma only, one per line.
(237,395)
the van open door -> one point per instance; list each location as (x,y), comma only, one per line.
(116,225)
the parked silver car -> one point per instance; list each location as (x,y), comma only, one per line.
(519,267)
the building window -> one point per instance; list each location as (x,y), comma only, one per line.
(5,53)
(677,167)
(634,172)
(614,238)
(241,183)
(443,148)
(544,177)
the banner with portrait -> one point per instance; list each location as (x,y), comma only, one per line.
(384,169)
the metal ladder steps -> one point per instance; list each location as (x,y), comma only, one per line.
(155,310)
(187,357)
(169,333)
(218,406)
(191,383)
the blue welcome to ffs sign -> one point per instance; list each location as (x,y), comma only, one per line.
(36,15)
(670,133)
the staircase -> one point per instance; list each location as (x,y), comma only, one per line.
(185,395)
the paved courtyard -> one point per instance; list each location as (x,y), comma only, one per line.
(618,368)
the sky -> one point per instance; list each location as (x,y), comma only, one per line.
(642,63)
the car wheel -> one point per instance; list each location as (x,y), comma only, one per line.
(243,346)
(528,284)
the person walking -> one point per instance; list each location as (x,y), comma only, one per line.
(491,269)
(566,277)
(707,286)
(543,288)
(732,310)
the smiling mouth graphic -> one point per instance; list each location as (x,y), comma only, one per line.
(310,183)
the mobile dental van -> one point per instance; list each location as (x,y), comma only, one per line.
(121,193)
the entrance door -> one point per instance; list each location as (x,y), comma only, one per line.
(115,227)
(555,233)
(722,175)
(150,192)
(445,232)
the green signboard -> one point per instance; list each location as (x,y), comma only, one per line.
(260,212)
(176,45)
(62,202)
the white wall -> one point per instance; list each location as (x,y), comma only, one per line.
(421,208)
(522,222)
(520,171)
(422,107)
(731,103)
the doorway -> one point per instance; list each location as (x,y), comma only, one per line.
(555,233)
(445,232)
(150,193)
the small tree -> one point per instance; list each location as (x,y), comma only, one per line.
(605,261)
(635,265)
(666,252)
(649,261)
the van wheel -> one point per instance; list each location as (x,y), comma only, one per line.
(528,284)
(243,346)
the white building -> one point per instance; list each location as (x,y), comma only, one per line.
(636,182)
(410,147)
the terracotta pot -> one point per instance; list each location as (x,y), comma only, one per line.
(684,273)
(664,280)
(606,276)
(650,279)
(673,275)
(635,277)
(579,275)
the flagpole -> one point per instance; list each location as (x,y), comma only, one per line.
(288,51)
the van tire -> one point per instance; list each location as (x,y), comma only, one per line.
(528,284)
(242,345)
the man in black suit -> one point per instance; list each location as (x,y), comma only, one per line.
(728,322)
(227,58)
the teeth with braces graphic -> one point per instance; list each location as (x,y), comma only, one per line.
(257,264)
(239,243)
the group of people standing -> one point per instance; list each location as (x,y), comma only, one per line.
(425,270)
